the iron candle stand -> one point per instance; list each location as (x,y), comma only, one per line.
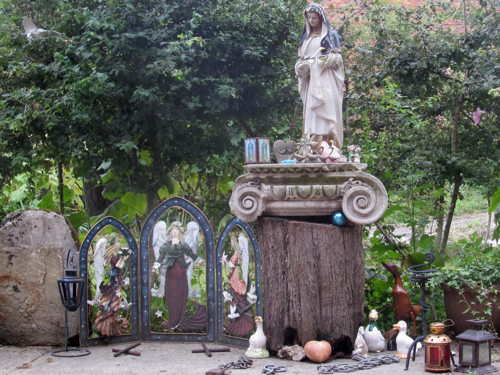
(420,274)
(70,290)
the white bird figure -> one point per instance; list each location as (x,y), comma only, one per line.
(373,337)
(160,237)
(403,341)
(245,256)
(32,31)
(251,296)
(257,342)
(360,346)
(227,296)
(99,264)
(191,238)
(232,312)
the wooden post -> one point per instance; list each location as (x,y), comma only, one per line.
(313,276)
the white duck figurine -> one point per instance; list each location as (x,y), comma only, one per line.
(360,346)
(373,337)
(403,341)
(257,342)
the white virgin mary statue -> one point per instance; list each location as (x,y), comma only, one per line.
(320,71)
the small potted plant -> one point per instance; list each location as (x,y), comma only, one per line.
(471,284)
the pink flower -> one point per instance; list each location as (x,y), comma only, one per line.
(358,131)
(476,116)
(448,71)
(439,118)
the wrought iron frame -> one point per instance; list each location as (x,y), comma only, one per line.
(144,245)
(235,222)
(84,337)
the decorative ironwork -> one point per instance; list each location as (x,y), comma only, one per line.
(174,307)
(70,290)
(420,274)
(238,283)
(115,282)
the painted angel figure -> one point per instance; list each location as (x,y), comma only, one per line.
(102,258)
(108,321)
(172,258)
(160,237)
(241,321)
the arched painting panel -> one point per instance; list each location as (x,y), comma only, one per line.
(109,309)
(238,283)
(177,274)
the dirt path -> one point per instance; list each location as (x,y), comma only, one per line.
(461,227)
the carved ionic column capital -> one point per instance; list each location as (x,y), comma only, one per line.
(308,190)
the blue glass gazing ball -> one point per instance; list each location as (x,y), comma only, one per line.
(339,219)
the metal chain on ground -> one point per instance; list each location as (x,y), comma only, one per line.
(243,363)
(364,364)
(272,369)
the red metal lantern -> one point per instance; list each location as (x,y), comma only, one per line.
(437,347)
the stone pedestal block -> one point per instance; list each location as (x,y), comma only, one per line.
(33,247)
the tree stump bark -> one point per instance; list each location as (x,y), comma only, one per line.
(313,277)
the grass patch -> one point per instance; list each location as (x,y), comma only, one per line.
(473,200)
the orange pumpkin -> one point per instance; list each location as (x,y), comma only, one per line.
(318,351)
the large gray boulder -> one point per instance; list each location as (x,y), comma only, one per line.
(33,247)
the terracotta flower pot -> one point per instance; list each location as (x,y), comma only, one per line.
(455,307)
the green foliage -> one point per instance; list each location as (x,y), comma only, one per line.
(475,267)
(138,88)
(422,103)
(472,199)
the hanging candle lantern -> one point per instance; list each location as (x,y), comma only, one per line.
(475,350)
(437,349)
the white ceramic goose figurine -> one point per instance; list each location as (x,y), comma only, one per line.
(403,341)
(360,346)
(373,337)
(257,342)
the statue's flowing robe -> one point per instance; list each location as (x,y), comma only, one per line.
(320,72)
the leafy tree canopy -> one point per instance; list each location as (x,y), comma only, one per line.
(133,88)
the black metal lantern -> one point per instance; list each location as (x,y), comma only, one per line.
(474,349)
(70,290)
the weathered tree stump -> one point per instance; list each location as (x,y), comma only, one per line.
(313,277)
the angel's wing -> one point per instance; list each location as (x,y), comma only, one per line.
(191,235)
(99,261)
(159,237)
(245,256)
